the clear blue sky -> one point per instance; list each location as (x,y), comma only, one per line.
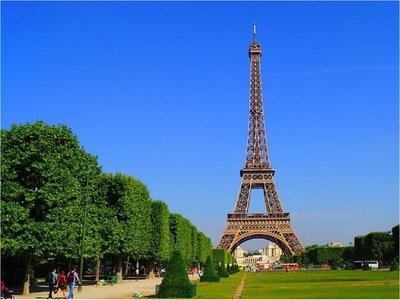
(160,91)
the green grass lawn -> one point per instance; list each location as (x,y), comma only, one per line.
(225,289)
(307,285)
(323,285)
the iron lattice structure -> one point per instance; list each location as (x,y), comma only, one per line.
(274,225)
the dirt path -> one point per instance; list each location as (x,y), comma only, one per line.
(121,290)
(240,288)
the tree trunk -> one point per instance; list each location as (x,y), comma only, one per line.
(98,271)
(118,273)
(25,291)
(150,268)
(127,266)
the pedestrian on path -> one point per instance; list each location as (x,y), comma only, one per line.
(61,283)
(72,278)
(51,281)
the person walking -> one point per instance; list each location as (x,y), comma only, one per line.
(72,279)
(51,281)
(61,283)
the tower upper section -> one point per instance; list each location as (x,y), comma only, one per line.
(257,150)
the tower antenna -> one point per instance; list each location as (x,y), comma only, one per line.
(254,31)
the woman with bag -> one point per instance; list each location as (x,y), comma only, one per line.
(61,283)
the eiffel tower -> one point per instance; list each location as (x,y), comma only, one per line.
(273,225)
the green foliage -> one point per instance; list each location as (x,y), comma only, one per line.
(395,235)
(181,236)
(394,266)
(176,283)
(204,247)
(222,256)
(47,178)
(193,242)
(235,268)
(324,254)
(48,181)
(194,245)
(348,253)
(366,267)
(304,259)
(380,246)
(209,271)
(219,256)
(251,253)
(222,272)
(349,266)
(160,238)
(128,200)
(360,251)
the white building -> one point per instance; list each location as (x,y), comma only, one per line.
(270,254)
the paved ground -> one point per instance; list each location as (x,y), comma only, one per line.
(123,290)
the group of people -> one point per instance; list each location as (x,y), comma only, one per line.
(60,281)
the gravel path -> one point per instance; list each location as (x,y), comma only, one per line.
(123,290)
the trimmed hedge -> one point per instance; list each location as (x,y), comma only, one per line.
(222,272)
(176,283)
(209,272)
(222,256)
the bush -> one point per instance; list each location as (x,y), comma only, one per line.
(176,283)
(394,266)
(209,272)
(366,267)
(235,268)
(228,269)
(222,272)
(349,266)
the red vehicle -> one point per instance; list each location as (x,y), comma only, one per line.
(290,266)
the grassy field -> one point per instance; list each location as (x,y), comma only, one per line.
(225,289)
(307,285)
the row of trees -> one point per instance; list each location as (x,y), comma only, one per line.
(54,192)
(380,246)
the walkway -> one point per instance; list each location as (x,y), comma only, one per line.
(240,288)
(123,290)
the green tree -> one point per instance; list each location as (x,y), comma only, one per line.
(176,283)
(204,247)
(348,254)
(209,271)
(160,238)
(324,254)
(360,250)
(181,237)
(222,272)
(380,247)
(221,256)
(395,235)
(394,266)
(194,246)
(44,177)
(128,200)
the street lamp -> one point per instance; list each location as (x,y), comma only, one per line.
(83,236)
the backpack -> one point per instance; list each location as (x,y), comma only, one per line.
(71,277)
(49,278)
